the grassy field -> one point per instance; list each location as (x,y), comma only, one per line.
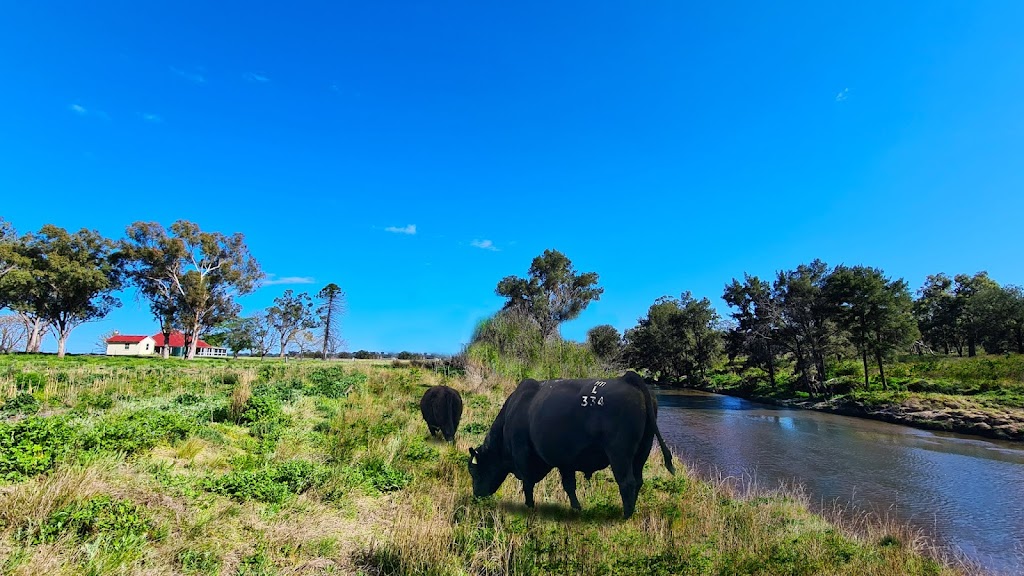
(140,466)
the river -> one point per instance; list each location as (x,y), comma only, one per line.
(965,492)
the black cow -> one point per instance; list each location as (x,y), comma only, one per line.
(572,425)
(441,407)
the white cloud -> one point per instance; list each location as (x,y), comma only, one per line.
(83,111)
(410,229)
(843,95)
(256,77)
(484,245)
(154,118)
(195,77)
(271,280)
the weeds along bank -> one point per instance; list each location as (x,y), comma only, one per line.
(135,466)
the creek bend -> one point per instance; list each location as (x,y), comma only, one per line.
(965,492)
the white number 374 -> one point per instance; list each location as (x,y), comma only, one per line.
(592,401)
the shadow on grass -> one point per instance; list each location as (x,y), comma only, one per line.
(560,513)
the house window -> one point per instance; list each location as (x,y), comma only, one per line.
(147,347)
(125,346)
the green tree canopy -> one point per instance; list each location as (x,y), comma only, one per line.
(64,279)
(290,315)
(677,340)
(606,342)
(190,278)
(552,293)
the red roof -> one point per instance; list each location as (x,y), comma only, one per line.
(177,340)
(124,339)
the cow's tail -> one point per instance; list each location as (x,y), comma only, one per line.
(652,421)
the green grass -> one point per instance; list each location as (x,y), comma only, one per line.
(142,466)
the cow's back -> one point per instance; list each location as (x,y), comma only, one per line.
(441,408)
(575,423)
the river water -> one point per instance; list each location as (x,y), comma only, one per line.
(965,492)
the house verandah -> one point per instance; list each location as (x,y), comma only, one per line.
(125,345)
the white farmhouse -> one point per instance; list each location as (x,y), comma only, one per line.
(125,345)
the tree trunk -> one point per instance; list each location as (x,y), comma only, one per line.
(972,347)
(881,371)
(62,341)
(284,342)
(166,352)
(864,355)
(327,329)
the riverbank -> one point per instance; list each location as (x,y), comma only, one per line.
(147,467)
(928,411)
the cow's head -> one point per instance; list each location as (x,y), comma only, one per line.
(487,469)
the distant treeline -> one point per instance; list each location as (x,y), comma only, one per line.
(815,314)
(807,317)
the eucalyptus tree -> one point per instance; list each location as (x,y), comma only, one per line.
(757,320)
(332,307)
(968,299)
(190,277)
(605,342)
(290,315)
(65,280)
(678,339)
(936,312)
(552,293)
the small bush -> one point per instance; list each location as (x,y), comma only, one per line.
(29,381)
(188,399)
(115,523)
(137,431)
(32,446)
(376,474)
(333,382)
(272,484)
(199,561)
(23,403)
(475,428)
(97,400)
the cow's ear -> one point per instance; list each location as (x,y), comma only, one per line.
(472,455)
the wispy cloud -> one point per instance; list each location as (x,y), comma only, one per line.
(410,229)
(843,95)
(83,111)
(272,280)
(256,77)
(148,117)
(195,77)
(484,245)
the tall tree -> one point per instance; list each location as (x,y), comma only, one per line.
(677,340)
(936,312)
(190,277)
(553,293)
(757,321)
(12,333)
(262,334)
(999,311)
(69,279)
(970,308)
(9,252)
(805,329)
(331,309)
(876,312)
(291,314)
(605,342)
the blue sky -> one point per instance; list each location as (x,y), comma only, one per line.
(666,146)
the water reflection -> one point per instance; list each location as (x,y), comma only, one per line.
(967,492)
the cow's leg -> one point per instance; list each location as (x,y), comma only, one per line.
(569,484)
(528,491)
(622,468)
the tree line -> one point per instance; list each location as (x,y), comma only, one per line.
(57,280)
(810,316)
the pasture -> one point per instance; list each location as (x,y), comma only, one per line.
(143,466)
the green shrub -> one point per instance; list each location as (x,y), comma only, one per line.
(188,399)
(475,428)
(29,381)
(418,451)
(32,446)
(134,432)
(23,403)
(333,382)
(97,400)
(376,474)
(199,561)
(114,523)
(271,484)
